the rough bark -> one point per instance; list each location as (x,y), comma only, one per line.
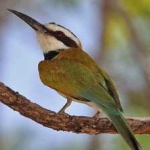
(65,122)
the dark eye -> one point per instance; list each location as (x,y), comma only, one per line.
(59,33)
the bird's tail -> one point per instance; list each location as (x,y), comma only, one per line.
(123,128)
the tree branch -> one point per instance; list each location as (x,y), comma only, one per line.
(65,122)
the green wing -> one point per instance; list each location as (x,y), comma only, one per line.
(76,80)
(111,88)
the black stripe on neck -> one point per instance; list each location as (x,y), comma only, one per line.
(50,55)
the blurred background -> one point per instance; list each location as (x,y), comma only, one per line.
(115,33)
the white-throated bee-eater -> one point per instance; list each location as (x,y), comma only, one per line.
(70,71)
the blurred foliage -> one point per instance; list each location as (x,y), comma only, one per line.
(116,32)
(126,32)
(137,8)
(71,3)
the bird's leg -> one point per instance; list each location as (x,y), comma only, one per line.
(68,103)
(96,116)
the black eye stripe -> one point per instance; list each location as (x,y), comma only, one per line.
(63,27)
(65,39)
(59,35)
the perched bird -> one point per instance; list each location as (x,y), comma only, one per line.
(70,71)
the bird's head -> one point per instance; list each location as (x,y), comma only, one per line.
(51,36)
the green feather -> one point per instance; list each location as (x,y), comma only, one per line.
(73,73)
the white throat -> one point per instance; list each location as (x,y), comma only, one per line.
(49,43)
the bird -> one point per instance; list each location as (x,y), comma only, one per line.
(69,70)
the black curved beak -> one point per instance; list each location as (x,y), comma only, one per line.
(32,22)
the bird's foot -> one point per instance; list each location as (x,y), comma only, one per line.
(68,103)
(96,116)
